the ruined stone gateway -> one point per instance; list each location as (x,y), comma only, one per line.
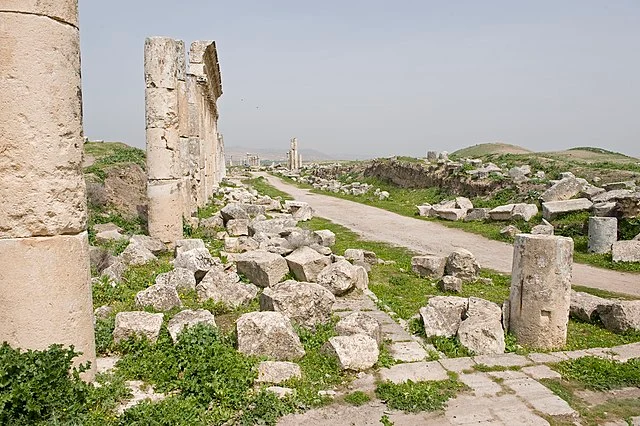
(185,152)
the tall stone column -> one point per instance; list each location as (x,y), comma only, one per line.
(540,290)
(45,291)
(164,70)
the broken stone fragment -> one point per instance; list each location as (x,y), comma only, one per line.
(188,318)
(179,278)
(197,260)
(481,331)
(306,263)
(462,263)
(360,323)
(160,297)
(277,372)
(357,352)
(268,334)
(306,304)
(137,323)
(443,314)
(262,268)
(339,277)
(449,283)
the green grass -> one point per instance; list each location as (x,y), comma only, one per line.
(418,396)
(108,154)
(357,398)
(261,185)
(601,374)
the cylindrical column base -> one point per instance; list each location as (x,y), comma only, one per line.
(603,232)
(46,294)
(540,290)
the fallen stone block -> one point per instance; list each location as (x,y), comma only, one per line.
(306,263)
(553,209)
(481,331)
(339,277)
(626,251)
(443,314)
(198,260)
(449,283)
(621,316)
(188,318)
(306,304)
(462,263)
(360,323)
(262,268)
(226,288)
(584,306)
(357,352)
(179,278)
(431,267)
(159,297)
(268,334)
(137,323)
(277,372)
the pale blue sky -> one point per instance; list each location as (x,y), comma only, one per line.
(379,78)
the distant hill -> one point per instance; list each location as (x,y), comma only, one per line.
(240,152)
(483,149)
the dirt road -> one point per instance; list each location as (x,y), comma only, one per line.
(428,237)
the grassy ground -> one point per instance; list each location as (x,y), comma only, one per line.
(403,201)
(108,154)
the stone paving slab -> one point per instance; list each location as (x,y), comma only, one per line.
(481,384)
(502,360)
(407,351)
(626,352)
(457,365)
(540,397)
(546,358)
(540,372)
(507,375)
(354,302)
(497,410)
(415,371)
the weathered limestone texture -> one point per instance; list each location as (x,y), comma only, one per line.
(603,232)
(185,152)
(540,290)
(45,292)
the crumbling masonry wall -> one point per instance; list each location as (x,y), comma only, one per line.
(185,151)
(45,292)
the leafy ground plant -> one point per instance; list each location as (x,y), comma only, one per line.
(601,374)
(357,398)
(418,396)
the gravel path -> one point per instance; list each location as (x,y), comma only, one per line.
(428,237)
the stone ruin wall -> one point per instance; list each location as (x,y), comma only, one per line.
(185,152)
(45,295)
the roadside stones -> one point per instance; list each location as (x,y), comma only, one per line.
(523,211)
(362,278)
(179,278)
(238,227)
(431,267)
(233,211)
(268,334)
(449,283)
(306,304)
(225,288)
(481,331)
(325,238)
(603,232)
(277,371)
(240,244)
(542,229)
(462,263)
(450,214)
(160,297)
(262,268)
(626,251)
(464,203)
(540,290)
(197,260)
(442,315)
(299,210)
(339,277)
(137,323)
(562,190)
(584,306)
(620,316)
(552,209)
(188,244)
(509,231)
(306,263)
(501,212)
(154,245)
(188,318)
(136,255)
(357,352)
(477,214)
(360,323)
(271,226)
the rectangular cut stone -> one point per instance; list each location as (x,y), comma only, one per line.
(407,351)
(46,294)
(501,212)
(162,108)
(457,364)
(165,210)
(626,251)
(416,372)
(538,372)
(552,209)
(61,10)
(480,384)
(544,358)
(41,184)
(164,62)
(540,397)
(163,154)
(540,293)
(502,360)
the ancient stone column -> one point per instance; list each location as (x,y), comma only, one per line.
(45,292)
(540,290)
(603,232)
(164,70)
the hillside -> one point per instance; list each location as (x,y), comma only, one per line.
(483,149)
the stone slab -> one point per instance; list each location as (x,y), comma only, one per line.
(502,360)
(541,372)
(457,365)
(540,397)
(407,351)
(416,372)
(546,358)
(481,384)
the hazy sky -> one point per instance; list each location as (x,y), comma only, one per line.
(383,77)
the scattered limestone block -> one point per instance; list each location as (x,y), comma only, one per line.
(563,190)
(136,255)
(179,278)
(626,251)
(325,238)
(362,277)
(271,226)
(542,229)
(238,227)
(268,334)
(360,323)
(339,277)
(354,255)
(510,231)
(449,283)
(584,306)
(424,210)
(188,318)
(442,315)
(154,245)
(159,297)
(305,263)
(233,211)
(197,260)
(552,209)
(357,352)
(306,304)
(277,371)
(240,244)
(477,214)
(188,244)
(450,214)
(620,316)
(523,211)
(431,267)
(501,212)
(462,263)
(407,351)
(464,203)
(281,392)
(226,288)
(481,332)
(299,210)
(108,236)
(137,323)
(262,268)
(603,232)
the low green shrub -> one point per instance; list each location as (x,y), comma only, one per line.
(601,374)
(417,396)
